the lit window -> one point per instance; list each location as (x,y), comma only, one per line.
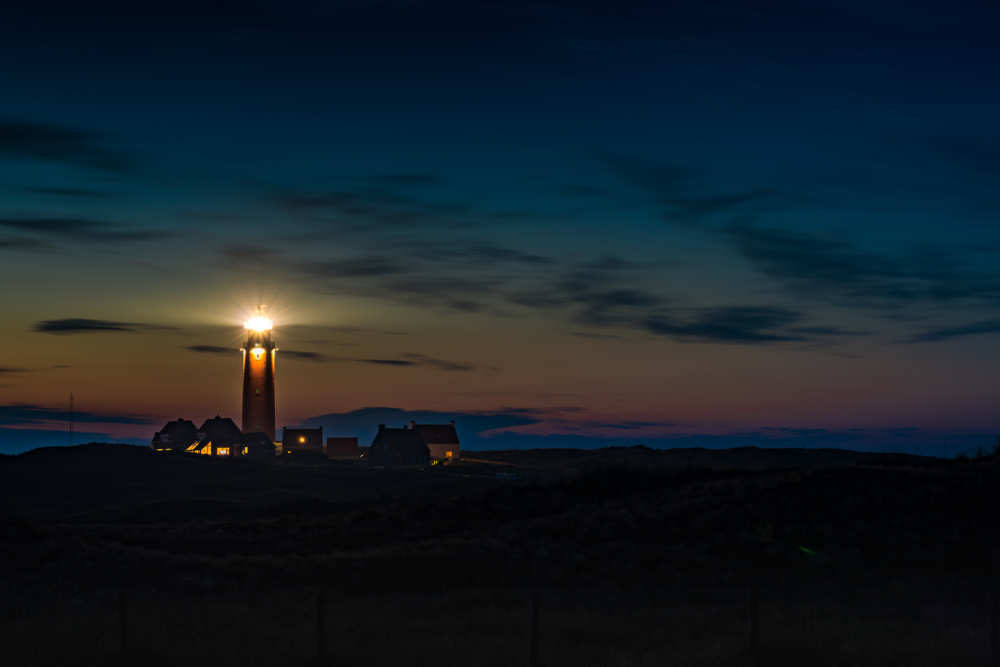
(448,454)
(222,451)
(302,439)
(245,448)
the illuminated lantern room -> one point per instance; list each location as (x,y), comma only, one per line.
(259,357)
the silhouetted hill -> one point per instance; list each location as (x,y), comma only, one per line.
(194,532)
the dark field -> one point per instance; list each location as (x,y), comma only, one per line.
(638,557)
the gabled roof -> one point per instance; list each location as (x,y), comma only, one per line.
(179,433)
(220,430)
(437,434)
(398,446)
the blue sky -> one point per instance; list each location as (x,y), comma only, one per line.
(710,218)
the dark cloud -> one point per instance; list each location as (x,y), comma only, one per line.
(389,362)
(950,333)
(733,324)
(78,193)
(286,354)
(465,305)
(378,207)
(591,295)
(210,349)
(408,178)
(74,325)
(303,356)
(684,194)
(826,331)
(79,229)
(56,143)
(838,272)
(355,267)
(696,209)
(482,254)
(627,425)
(977,154)
(413,359)
(439,364)
(20,243)
(27,415)
(581,190)
(248,253)
(610,263)
(652,177)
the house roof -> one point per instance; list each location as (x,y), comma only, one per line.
(437,434)
(220,430)
(404,441)
(178,433)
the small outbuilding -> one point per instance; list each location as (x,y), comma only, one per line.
(441,440)
(398,447)
(258,445)
(302,441)
(342,449)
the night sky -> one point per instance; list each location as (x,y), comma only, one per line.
(567,224)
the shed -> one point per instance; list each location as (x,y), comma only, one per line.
(342,449)
(398,447)
(302,440)
(441,440)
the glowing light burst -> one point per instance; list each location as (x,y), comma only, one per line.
(259,323)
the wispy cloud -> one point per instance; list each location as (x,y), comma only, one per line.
(732,324)
(837,272)
(75,325)
(24,244)
(440,364)
(56,143)
(950,333)
(413,359)
(210,349)
(74,193)
(19,414)
(80,229)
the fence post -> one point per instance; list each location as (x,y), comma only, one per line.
(753,623)
(320,623)
(994,609)
(533,641)
(122,621)
(248,618)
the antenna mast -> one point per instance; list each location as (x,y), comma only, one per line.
(71,416)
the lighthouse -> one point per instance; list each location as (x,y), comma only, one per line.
(259,353)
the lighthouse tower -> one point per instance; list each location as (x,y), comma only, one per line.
(258,376)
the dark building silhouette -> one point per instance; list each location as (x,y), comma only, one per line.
(175,436)
(218,436)
(258,445)
(259,354)
(343,449)
(441,440)
(393,447)
(302,441)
